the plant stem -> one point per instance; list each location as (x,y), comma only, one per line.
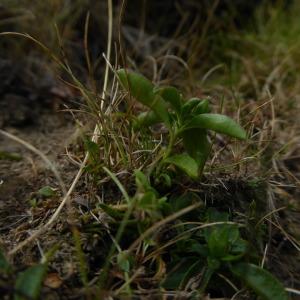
(170,145)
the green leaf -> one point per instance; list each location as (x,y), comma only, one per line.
(139,86)
(165,179)
(214,215)
(4,264)
(33,202)
(237,250)
(10,156)
(171,95)
(202,107)
(93,149)
(146,194)
(187,108)
(146,119)
(160,108)
(185,163)
(142,90)
(148,201)
(261,281)
(46,191)
(141,180)
(218,123)
(179,202)
(123,261)
(224,242)
(196,144)
(194,246)
(218,242)
(239,247)
(29,282)
(213,264)
(112,212)
(182,272)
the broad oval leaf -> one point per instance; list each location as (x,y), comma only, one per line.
(142,182)
(29,282)
(146,119)
(93,150)
(218,242)
(142,90)
(202,107)
(171,95)
(185,163)
(4,264)
(112,212)
(237,251)
(188,106)
(139,86)
(196,144)
(46,191)
(218,123)
(147,201)
(182,272)
(159,106)
(123,261)
(261,281)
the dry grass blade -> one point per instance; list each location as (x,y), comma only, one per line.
(67,194)
(160,223)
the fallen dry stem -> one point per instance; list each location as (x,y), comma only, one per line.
(160,223)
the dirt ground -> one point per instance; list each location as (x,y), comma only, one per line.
(27,173)
(24,174)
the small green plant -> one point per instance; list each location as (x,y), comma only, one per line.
(10,156)
(42,194)
(206,244)
(220,249)
(186,120)
(46,192)
(28,283)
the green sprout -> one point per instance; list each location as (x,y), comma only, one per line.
(186,120)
